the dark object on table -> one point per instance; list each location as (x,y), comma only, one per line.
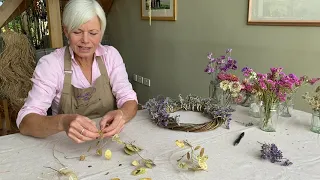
(236,142)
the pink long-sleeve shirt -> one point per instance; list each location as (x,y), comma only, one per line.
(48,79)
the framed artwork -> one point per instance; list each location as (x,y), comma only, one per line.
(160,9)
(284,12)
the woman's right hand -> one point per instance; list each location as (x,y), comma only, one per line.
(79,128)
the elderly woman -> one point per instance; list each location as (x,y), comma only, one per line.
(81,81)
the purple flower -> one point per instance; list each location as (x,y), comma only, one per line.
(272,153)
(247,71)
(209,69)
(228,51)
(210,56)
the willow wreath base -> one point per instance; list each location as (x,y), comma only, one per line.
(160,108)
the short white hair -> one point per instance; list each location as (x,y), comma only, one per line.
(78,12)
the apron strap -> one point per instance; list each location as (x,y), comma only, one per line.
(102,68)
(67,72)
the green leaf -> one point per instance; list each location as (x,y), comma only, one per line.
(108,154)
(198,147)
(201,152)
(139,171)
(136,148)
(99,152)
(182,165)
(135,163)
(72,176)
(180,143)
(128,151)
(148,165)
(130,147)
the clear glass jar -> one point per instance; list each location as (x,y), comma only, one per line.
(254,108)
(286,107)
(269,115)
(315,122)
(248,100)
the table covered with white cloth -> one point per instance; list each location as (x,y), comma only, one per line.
(25,158)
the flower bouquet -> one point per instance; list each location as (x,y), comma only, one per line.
(230,87)
(247,93)
(286,107)
(314,102)
(218,68)
(271,89)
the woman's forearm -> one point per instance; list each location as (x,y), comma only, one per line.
(129,110)
(41,126)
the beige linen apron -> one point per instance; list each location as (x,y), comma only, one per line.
(92,102)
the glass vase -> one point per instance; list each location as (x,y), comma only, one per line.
(248,99)
(286,107)
(215,92)
(315,122)
(269,115)
(254,108)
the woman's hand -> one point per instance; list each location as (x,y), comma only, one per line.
(80,128)
(112,123)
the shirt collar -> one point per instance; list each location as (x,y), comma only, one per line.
(99,52)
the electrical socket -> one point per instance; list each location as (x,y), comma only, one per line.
(146,81)
(140,79)
(135,77)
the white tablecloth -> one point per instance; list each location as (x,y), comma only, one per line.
(24,157)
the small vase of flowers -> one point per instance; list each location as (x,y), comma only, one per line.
(314,102)
(271,89)
(286,107)
(218,68)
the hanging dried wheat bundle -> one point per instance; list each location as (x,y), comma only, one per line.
(17,63)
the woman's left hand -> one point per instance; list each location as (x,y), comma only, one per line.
(112,123)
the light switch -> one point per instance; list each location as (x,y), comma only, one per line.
(140,79)
(135,77)
(146,81)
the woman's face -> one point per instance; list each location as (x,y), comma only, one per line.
(85,40)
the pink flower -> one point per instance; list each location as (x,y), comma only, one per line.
(271,83)
(262,85)
(313,80)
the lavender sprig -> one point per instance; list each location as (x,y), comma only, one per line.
(274,154)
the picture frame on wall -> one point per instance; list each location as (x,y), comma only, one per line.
(165,10)
(284,12)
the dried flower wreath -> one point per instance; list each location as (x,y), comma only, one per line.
(160,108)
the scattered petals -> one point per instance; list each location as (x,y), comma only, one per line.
(82,157)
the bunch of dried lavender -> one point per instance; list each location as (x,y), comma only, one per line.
(271,152)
